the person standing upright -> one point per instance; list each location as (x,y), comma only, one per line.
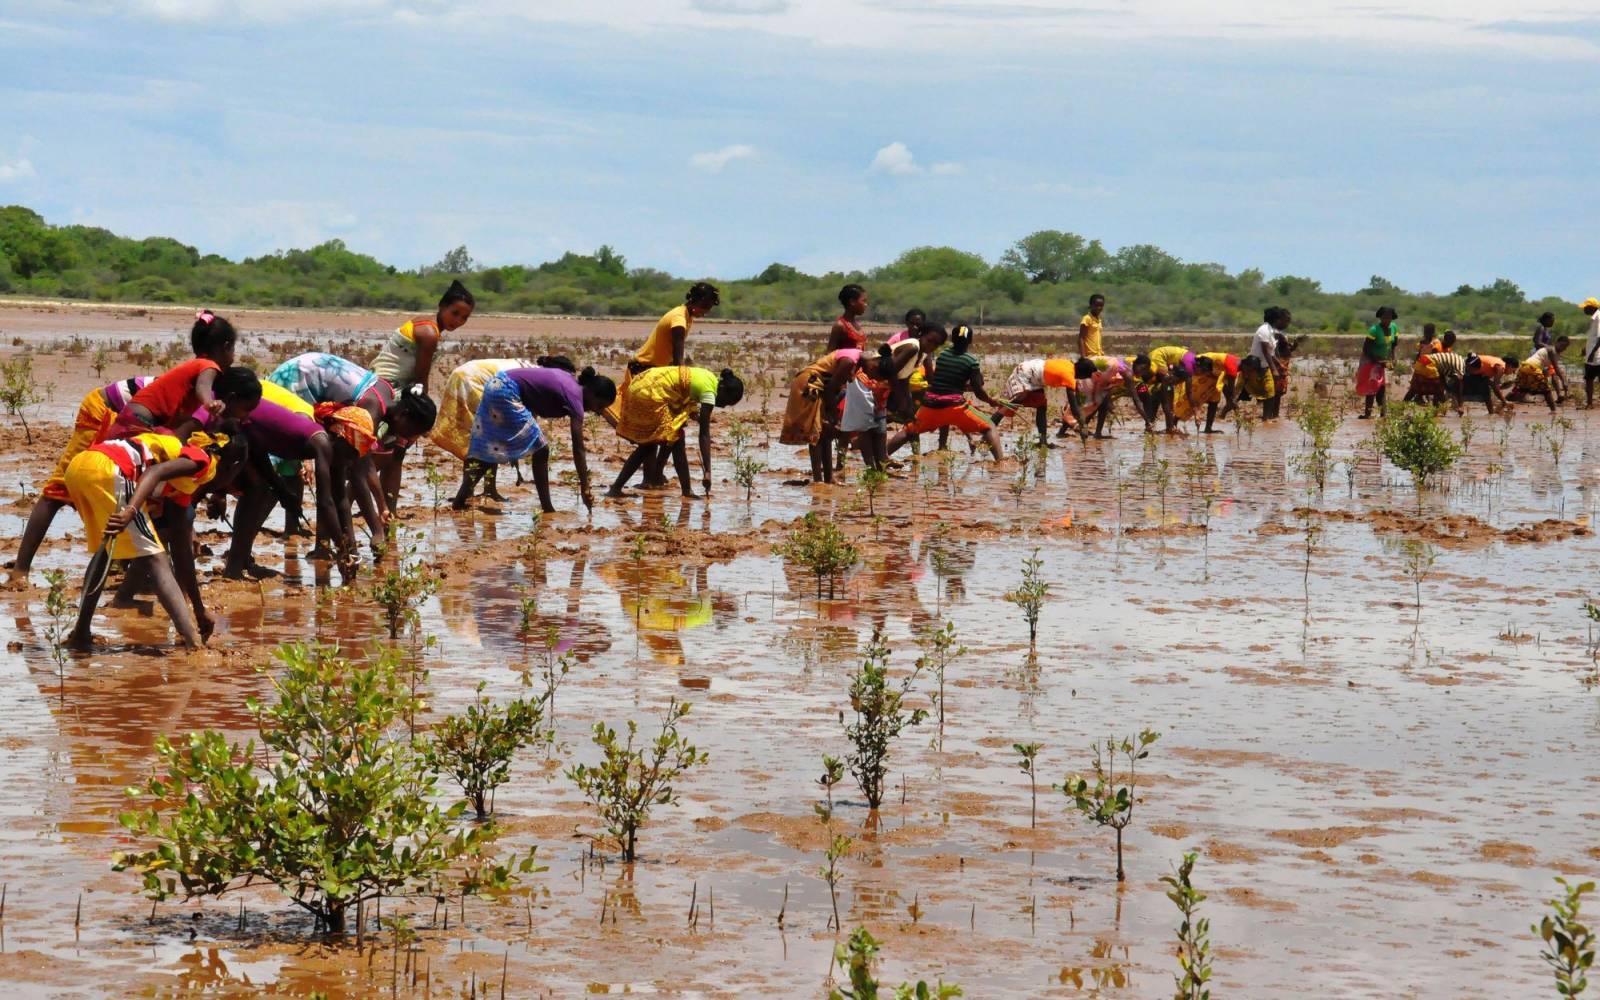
(1089,328)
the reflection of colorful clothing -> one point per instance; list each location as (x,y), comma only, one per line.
(324,378)
(396,360)
(660,401)
(96,414)
(802,415)
(458,405)
(102,479)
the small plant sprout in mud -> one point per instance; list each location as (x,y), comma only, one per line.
(820,547)
(552,672)
(476,748)
(872,483)
(1030,595)
(58,608)
(832,774)
(745,471)
(19,390)
(338,808)
(1418,557)
(1412,438)
(1026,753)
(856,956)
(630,778)
(880,716)
(1194,934)
(1569,944)
(639,548)
(1106,802)
(939,648)
(438,485)
(401,589)
(1466,428)
(1317,424)
(838,847)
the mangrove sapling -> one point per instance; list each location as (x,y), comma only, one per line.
(438,485)
(872,483)
(1194,934)
(100,360)
(1418,557)
(1107,803)
(832,774)
(745,471)
(838,847)
(552,672)
(19,390)
(1026,752)
(856,956)
(880,716)
(1467,428)
(59,608)
(476,748)
(338,808)
(1317,424)
(1412,439)
(1569,944)
(819,546)
(1030,595)
(401,590)
(630,779)
(939,648)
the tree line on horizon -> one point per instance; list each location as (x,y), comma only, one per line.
(1044,279)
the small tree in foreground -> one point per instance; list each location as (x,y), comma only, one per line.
(1194,934)
(630,779)
(1569,944)
(344,813)
(476,748)
(880,717)
(1412,438)
(1106,803)
(856,956)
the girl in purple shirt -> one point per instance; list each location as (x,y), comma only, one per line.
(505,427)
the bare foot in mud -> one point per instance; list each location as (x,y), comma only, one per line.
(495,495)
(15,581)
(320,554)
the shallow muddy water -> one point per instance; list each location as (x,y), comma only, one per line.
(1382,771)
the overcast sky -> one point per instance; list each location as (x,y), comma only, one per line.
(1434,143)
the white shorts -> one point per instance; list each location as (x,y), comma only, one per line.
(861,411)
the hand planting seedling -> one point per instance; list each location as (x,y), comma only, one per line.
(1194,934)
(1107,803)
(1569,944)
(346,812)
(476,748)
(630,779)
(880,715)
(856,957)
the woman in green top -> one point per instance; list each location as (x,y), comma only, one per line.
(1376,353)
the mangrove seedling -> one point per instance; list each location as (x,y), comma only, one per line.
(401,590)
(1030,595)
(100,360)
(856,956)
(1569,944)
(337,808)
(819,546)
(1026,752)
(880,716)
(552,672)
(19,390)
(939,648)
(838,847)
(745,471)
(1318,423)
(1418,556)
(1412,438)
(1194,934)
(59,608)
(438,485)
(832,774)
(872,483)
(630,778)
(1106,802)
(476,748)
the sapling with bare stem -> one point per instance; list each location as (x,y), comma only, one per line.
(1194,934)
(1106,802)
(1418,557)
(1569,944)
(401,590)
(58,606)
(1026,753)
(838,847)
(1030,595)
(630,778)
(832,774)
(939,648)
(880,716)
(438,485)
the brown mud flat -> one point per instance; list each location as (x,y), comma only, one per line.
(1358,800)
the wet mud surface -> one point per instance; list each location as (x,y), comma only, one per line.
(1382,771)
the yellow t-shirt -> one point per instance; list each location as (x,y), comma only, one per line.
(1163,358)
(1089,336)
(657,350)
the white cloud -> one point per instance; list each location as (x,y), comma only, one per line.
(714,160)
(897,160)
(16,170)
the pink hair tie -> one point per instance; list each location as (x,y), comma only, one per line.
(205,316)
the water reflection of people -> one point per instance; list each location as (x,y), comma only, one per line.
(664,600)
(486,610)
